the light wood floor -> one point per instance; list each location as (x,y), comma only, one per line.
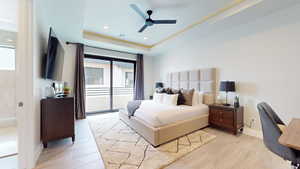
(8,141)
(83,154)
(225,152)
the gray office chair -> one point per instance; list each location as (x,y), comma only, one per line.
(271,132)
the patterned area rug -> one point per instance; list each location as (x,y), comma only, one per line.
(123,148)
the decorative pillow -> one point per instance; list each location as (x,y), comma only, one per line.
(169,91)
(180,99)
(188,96)
(170,99)
(175,91)
(161,90)
(158,97)
(197,98)
(200,98)
(208,98)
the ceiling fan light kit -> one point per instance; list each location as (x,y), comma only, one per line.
(148,20)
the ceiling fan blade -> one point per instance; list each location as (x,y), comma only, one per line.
(137,10)
(143,28)
(164,21)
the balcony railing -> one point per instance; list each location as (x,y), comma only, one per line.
(98,98)
(102,91)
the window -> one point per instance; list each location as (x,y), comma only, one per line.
(129,79)
(94,76)
(7,56)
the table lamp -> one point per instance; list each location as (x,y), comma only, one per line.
(159,85)
(227,86)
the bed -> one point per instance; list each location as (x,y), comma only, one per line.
(159,123)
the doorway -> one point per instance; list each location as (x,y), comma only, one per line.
(8,119)
(109,83)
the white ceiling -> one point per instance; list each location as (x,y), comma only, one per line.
(93,15)
(123,20)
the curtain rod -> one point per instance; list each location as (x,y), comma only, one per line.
(73,43)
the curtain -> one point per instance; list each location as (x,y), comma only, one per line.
(79,89)
(139,78)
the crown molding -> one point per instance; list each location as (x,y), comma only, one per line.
(117,41)
(201,21)
(113,40)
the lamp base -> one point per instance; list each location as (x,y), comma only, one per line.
(226,105)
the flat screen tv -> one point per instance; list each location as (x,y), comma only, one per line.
(54,58)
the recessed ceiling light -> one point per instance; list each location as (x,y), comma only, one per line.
(106,27)
(145,38)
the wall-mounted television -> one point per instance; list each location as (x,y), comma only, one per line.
(54,58)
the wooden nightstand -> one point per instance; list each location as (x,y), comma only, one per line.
(227,118)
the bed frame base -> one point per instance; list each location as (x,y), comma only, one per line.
(164,134)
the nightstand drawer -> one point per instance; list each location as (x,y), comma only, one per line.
(214,116)
(225,117)
(221,117)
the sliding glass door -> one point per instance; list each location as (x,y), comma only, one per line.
(109,83)
(97,82)
(123,83)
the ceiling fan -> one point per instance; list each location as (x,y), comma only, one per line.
(148,20)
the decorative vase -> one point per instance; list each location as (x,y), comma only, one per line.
(50,92)
(236,102)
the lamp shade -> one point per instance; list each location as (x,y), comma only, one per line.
(227,86)
(159,85)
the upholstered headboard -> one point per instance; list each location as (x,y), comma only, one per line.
(203,80)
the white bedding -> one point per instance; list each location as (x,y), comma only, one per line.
(157,115)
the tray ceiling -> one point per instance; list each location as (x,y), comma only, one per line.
(115,20)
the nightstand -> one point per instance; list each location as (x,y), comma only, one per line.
(227,117)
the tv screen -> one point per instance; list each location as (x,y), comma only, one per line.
(54,58)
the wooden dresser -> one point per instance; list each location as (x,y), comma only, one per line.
(57,119)
(227,117)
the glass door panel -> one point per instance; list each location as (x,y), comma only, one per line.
(123,83)
(98,85)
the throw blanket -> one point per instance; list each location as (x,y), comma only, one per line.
(132,106)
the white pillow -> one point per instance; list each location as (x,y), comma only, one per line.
(170,99)
(158,97)
(197,98)
(200,98)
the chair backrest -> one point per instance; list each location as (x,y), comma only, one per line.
(271,132)
(272,113)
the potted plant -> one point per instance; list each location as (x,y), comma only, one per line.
(67,90)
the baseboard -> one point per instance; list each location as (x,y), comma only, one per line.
(252,132)
(37,154)
(8,122)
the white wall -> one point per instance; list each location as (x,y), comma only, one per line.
(69,65)
(40,37)
(262,57)
(148,76)
(44,18)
